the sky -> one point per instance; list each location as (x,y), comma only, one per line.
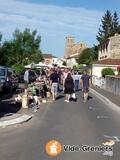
(55,19)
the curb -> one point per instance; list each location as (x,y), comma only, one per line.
(18,120)
(104,99)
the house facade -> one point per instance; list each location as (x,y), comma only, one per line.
(109,57)
(49,59)
(110,49)
(71,61)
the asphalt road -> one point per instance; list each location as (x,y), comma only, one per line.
(75,123)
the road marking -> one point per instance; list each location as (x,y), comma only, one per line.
(102,117)
(94,108)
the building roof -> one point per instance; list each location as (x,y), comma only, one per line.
(108,62)
(47,56)
(72,56)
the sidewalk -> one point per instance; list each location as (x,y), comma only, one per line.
(113,98)
(14,118)
(11,114)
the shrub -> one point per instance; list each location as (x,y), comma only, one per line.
(107,71)
(77,66)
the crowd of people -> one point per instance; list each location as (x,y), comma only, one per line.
(63,80)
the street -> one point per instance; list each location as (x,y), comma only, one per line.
(75,123)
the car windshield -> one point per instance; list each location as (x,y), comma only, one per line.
(2,72)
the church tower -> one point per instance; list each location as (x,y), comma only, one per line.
(68,46)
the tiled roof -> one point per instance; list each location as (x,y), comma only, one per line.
(47,56)
(108,62)
(72,57)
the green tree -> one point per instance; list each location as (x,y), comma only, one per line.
(115,23)
(95,52)
(26,46)
(105,29)
(88,55)
(3,56)
(77,66)
(4,53)
(110,26)
(23,49)
(0,38)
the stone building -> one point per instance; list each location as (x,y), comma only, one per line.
(111,48)
(72,48)
(109,57)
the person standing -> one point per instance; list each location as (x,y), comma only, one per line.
(76,78)
(26,76)
(85,83)
(65,73)
(60,77)
(54,79)
(69,87)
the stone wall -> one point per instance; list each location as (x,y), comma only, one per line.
(113,84)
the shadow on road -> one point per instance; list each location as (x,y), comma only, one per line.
(60,97)
(89,97)
(8,105)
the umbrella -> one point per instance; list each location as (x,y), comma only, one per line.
(40,65)
(50,66)
(32,65)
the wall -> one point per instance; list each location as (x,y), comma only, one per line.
(113,84)
(97,69)
(71,62)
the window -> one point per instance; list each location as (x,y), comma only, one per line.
(2,72)
(9,72)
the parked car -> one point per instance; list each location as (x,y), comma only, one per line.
(8,79)
(0,88)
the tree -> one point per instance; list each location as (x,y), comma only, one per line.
(23,49)
(115,24)
(3,56)
(95,53)
(26,46)
(86,57)
(0,38)
(106,27)
(110,26)
(5,53)
(77,66)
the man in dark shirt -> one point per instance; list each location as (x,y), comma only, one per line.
(60,78)
(54,79)
(85,83)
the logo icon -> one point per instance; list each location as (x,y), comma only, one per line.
(53,148)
